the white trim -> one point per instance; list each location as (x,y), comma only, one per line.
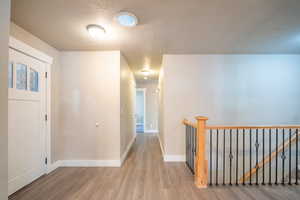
(25,48)
(90,163)
(28,50)
(150,131)
(174,158)
(160,144)
(124,155)
(53,166)
(144,90)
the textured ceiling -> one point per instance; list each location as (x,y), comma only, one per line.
(166,26)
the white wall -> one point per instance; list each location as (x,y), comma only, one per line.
(151,104)
(161,109)
(229,90)
(90,94)
(4,27)
(36,43)
(127,100)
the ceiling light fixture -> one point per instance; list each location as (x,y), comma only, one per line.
(146,72)
(146,78)
(126,19)
(96,31)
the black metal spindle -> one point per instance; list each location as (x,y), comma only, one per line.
(297,166)
(230,157)
(217,157)
(224,171)
(243,156)
(256,146)
(290,157)
(263,152)
(250,156)
(276,161)
(270,152)
(237,158)
(283,157)
(210,152)
(186,144)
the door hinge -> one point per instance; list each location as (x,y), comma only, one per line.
(46,117)
(46,74)
(46,161)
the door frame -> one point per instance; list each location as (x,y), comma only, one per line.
(20,46)
(144,90)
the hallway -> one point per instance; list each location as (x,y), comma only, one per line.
(144,175)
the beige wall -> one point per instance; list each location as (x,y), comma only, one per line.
(38,44)
(4,27)
(161,109)
(151,104)
(90,94)
(127,100)
(230,90)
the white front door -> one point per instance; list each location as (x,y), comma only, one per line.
(26,120)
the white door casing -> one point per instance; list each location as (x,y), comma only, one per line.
(28,103)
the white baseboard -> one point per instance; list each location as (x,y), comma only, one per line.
(53,166)
(90,163)
(174,158)
(160,144)
(124,155)
(150,131)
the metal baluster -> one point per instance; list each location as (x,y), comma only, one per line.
(257,146)
(210,152)
(230,157)
(263,144)
(297,166)
(290,157)
(237,158)
(276,168)
(270,152)
(224,172)
(192,149)
(283,156)
(250,157)
(243,156)
(186,144)
(217,157)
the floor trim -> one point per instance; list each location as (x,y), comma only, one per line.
(150,131)
(174,158)
(160,144)
(90,163)
(124,155)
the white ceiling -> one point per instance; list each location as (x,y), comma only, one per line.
(166,26)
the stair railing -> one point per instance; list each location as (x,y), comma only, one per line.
(240,155)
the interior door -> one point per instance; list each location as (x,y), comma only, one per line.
(26,120)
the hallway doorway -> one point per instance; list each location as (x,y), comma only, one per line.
(140,110)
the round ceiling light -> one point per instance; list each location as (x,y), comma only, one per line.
(96,31)
(126,19)
(146,72)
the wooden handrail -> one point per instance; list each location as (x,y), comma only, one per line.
(255,127)
(187,123)
(268,159)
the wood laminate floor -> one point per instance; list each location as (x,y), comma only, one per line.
(143,176)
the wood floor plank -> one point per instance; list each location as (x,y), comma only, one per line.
(143,176)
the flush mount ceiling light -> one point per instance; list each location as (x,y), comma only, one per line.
(126,19)
(96,31)
(146,72)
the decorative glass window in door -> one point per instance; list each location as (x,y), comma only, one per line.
(21,79)
(10,75)
(34,80)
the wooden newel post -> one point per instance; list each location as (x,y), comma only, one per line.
(201,162)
